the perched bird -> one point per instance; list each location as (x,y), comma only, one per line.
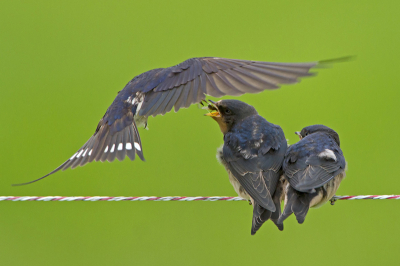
(252,154)
(314,168)
(159,90)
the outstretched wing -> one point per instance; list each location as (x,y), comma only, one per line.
(187,83)
(179,86)
(306,173)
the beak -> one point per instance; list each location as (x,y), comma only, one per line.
(213,114)
(298,134)
(213,109)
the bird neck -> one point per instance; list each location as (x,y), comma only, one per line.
(222,124)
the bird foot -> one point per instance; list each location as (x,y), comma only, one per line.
(333,200)
(250,202)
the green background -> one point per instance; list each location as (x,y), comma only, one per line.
(63,62)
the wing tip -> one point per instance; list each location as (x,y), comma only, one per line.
(328,63)
(268,205)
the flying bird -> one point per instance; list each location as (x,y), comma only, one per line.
(157,91)
(252,154)
(314,168)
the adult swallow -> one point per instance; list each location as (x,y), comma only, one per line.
(252,154)
(159,90)
(314,168)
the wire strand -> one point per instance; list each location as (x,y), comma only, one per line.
(214,198)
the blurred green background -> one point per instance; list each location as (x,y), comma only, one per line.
(63,62)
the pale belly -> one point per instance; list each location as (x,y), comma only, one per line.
(236,185)
(141,121)
(331,187)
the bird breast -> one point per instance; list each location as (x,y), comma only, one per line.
(236,185)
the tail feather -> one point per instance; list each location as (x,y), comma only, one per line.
(103,156)
(111,155)
(102,146)
(297,203)
(137,144)
(277,198)
(261,215)
(120,145)
(131,151)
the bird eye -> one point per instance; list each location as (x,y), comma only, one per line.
(227,111)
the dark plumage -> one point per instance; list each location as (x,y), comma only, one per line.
(159,90)
(252,154)
(314,168)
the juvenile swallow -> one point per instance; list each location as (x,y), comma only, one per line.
(159,90)
(252,154)
(314,168)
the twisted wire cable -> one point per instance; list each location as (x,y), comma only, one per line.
(176,198)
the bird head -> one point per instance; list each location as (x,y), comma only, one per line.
(227,112)
(318,128)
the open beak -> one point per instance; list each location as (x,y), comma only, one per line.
(213,114)
(298,134)
(212,107)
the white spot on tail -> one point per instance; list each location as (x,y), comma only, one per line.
(112,148)
(84,154)
(90,153)
(137,146)
(327,154)
(79,154)
(106,149)
(120,146)
(128,146)
(73,156)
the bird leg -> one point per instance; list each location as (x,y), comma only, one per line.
(333,200)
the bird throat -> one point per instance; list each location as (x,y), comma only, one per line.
(222,125)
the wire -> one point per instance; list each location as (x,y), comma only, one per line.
(214,198)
